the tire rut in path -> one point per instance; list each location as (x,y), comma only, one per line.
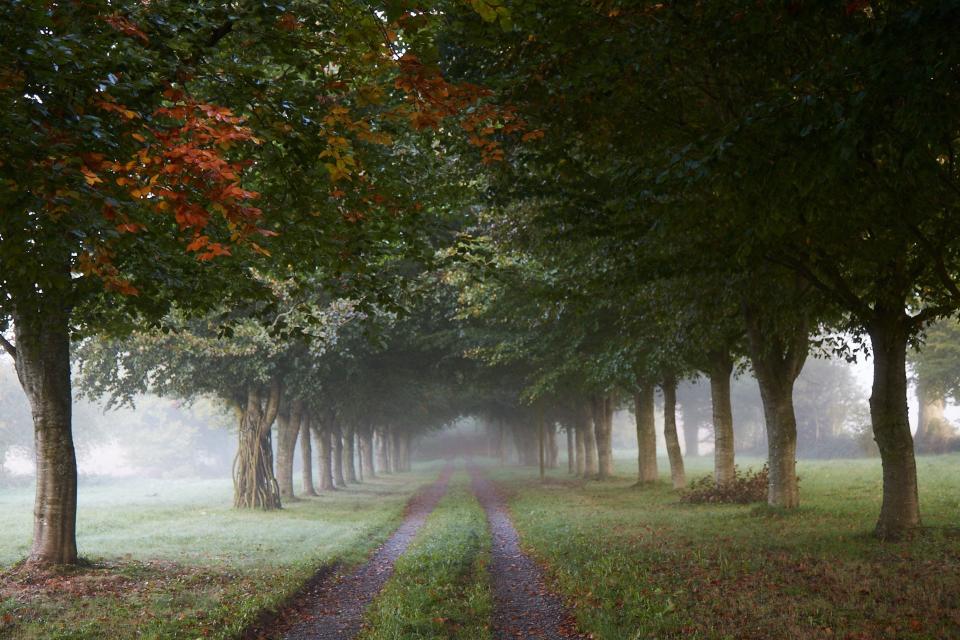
(523,606)
(335,610)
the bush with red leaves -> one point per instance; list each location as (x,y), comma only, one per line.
(746,487)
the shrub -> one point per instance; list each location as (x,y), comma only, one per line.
(746,486)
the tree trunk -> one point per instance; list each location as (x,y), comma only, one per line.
(358,448)
(571,452)
(541,444)
(42,357)
(325,458)
(553,448)
(580,440)
(400,446)
(935,434)
(900,512)
(603,427)
(288,428)
(350,471)
(502,442)
(643,406)
(337,436)
(777,355)
(306,456)
(677,474)
(585,416)
(381,442)
(526,441)
(366,454)
(691,437)
(393,451)
(254,485)
(721,368)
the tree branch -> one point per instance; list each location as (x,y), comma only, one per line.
(939,266)
(837,288)
(9,348)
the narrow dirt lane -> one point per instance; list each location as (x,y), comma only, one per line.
(523,607)
(333,610)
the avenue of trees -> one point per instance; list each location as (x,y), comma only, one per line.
(353,222)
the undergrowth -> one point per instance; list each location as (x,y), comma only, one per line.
(746,487)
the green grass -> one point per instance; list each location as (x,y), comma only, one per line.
(172,559)
(440,587)
(638,564)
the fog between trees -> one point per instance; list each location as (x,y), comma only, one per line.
(172,438)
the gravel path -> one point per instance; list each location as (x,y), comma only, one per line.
(333,609)
(523,607)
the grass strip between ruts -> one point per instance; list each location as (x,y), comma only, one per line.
(440,587)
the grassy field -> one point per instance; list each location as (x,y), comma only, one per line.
(172,559)
(638,564)
(440,587)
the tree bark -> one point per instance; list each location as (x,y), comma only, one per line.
(337,437)
(366,454)
(900,512)
(553,448)
(585,418)
(643,405)
(325,458)
(721,368)
(778,356)
(254,485)
(393,451)
(350,470)
(42,358)
(603,427)
(670,436)
(571,451)
(288,428)
(306,456)
(580,440)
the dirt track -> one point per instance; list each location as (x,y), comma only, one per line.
(333,608)
(523,606)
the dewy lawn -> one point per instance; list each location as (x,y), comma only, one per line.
(172,559)
(638,564)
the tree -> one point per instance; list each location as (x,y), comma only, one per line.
(136,131)
(936,373)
